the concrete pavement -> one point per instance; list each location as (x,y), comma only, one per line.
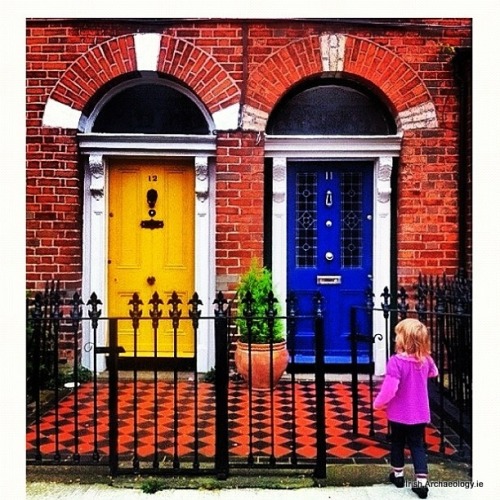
(50,491)
(343,481)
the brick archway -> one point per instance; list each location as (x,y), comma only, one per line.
(138,52)
(343,56)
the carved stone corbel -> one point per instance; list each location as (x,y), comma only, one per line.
(96,168)
(384,170)
(279,178)
(201,171)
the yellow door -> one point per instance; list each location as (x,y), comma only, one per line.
(151,248)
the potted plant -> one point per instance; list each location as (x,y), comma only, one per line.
(261,335)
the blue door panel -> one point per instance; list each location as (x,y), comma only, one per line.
(330,240)
(304,337)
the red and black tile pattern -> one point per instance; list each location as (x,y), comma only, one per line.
(285,432)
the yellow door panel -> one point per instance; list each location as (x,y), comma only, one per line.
(125,241)
(151,249)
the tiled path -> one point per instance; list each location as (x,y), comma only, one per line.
(341,443)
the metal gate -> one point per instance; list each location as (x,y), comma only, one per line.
(165,417)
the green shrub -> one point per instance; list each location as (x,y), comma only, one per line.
(29,355)
(210,376)
(259,282)
(44,376)
(67,375)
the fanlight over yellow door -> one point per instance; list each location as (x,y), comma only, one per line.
(151,249)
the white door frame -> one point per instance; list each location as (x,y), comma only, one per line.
(97,149)
(379,149)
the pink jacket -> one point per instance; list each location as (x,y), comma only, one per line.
(404,389)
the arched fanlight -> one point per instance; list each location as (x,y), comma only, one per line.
(150,108)
(330,108)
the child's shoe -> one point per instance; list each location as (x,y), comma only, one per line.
(399,481)
(421,491)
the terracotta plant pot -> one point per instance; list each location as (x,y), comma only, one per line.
(260,357)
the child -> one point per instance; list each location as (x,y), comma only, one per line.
(404,395)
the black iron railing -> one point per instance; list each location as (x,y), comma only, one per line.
(87,445)
(445,306)
(83,423)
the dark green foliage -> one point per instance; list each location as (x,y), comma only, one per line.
(258,281)
(210,376)
(152,485)
(41,372)
(30,346)
(82,374)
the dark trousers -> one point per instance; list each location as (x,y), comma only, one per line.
(413,435)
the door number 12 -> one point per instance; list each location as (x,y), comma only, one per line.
(152,178)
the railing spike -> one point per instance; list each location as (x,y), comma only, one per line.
(220,302)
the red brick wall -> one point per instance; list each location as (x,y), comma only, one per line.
(71,60)
(53,205)
(239,206)
(427,209)
(469,171)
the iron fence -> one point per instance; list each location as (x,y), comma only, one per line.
(179,421)
(444,305)
(85,422)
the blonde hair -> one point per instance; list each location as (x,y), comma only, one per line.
(412,338)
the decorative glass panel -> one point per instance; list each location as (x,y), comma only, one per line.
(306,215)
(351,219)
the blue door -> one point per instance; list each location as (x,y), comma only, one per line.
(330,242)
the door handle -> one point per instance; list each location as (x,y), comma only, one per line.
(151,280)
(329,198)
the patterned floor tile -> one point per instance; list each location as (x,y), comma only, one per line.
(252,421)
